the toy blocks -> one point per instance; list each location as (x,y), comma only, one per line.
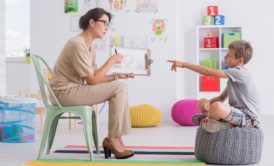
(213,17)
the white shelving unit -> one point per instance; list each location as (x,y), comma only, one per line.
(214,53)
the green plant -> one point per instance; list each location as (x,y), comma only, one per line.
(27,51)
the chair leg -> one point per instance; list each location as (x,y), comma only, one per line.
(88,135)
(95,132)
(45,134)
(97,115)
(52,133)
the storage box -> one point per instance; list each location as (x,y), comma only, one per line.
(229,37)
(211,42)
(210,63)
(17,119)
(210,84)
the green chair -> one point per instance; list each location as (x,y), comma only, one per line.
(55,112)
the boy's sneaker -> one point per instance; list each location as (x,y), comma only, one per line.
(212,126)
(196,119)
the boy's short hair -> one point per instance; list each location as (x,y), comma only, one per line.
(242,49)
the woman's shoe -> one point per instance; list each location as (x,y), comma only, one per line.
(109,148)
(131,151)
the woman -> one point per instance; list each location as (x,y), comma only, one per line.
(77,80)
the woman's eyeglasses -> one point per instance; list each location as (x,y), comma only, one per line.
(106,23)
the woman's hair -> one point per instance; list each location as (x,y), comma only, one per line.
(94,14)
(242,49)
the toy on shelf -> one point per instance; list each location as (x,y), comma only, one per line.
(210,62)
(212,10)
(208,20)
(211,41)
(219,20)
(213,17)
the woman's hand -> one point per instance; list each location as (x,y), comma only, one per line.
(175,64)
(125,76)
(117,58)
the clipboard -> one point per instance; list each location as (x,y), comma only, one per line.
(136,60)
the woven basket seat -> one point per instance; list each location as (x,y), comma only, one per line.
(234,146)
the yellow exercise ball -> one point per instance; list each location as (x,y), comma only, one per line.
(145,115)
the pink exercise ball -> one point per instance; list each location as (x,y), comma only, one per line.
(183,110)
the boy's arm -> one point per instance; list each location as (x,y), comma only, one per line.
(199,69)
(220,98)
(205,70)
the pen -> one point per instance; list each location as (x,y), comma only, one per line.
(115,51)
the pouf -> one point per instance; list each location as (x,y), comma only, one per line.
(183,110)
(234,146)
(145,115)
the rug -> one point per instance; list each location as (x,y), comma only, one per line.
(56,162)
(158,150)
(144,156)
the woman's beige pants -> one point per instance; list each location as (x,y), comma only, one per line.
(115,92)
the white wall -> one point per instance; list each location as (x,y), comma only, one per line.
(48,35)
(18,78)
(2,49)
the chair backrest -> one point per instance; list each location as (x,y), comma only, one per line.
(39,64)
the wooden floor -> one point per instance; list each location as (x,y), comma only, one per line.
(167,134)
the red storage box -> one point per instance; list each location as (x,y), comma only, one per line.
(211,42)
(210,84)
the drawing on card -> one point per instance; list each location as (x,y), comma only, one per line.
(135,61)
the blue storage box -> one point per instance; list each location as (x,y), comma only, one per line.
(17,118)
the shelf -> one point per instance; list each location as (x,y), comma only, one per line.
(213,49)
(209,49)
(218,27)
(210,93)
(212,57)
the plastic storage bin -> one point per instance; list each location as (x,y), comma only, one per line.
(210,84)
(17,119)
(229,37)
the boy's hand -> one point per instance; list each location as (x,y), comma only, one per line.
(175,64)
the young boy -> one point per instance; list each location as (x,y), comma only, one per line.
(243,108)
